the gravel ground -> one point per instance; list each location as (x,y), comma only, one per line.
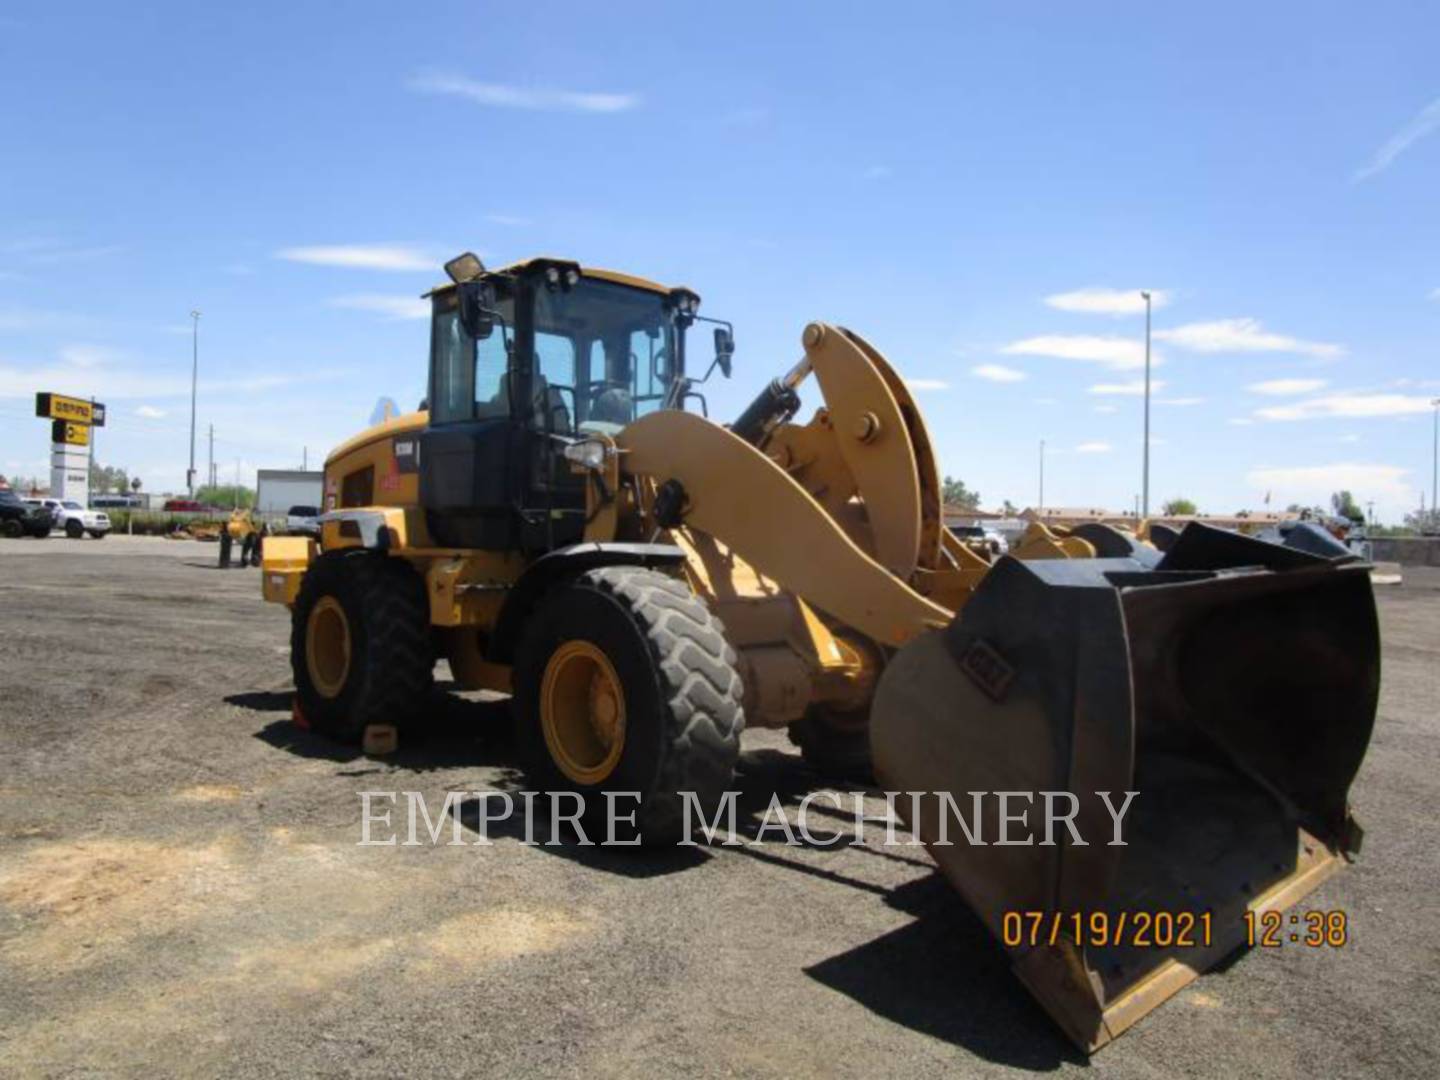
(181,891)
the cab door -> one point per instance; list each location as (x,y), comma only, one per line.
(472,460)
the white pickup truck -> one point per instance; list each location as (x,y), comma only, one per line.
(75,519)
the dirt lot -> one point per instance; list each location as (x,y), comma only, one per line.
(181,890)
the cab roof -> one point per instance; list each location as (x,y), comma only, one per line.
(617,276)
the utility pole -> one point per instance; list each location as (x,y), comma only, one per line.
(194,379)
(1145,470)
(90,458)
(1042,476)
(1434,452)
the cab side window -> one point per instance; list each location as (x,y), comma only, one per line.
(469,376)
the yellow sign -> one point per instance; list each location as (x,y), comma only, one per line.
(75,410)
(70,434)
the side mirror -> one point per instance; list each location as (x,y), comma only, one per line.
(476,314)
(724,348)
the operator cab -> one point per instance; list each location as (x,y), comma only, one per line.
(523,361)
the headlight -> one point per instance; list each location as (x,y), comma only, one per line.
(552,275)
(572,278)
(589,454)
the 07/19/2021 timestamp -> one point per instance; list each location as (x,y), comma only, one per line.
(1317,929)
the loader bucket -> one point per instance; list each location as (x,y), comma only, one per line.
(1235,698)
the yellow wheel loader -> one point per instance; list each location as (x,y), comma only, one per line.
(562,521)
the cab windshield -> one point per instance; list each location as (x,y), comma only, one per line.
(604,352)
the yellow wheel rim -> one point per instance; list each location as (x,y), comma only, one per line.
(327,647)
(582,712)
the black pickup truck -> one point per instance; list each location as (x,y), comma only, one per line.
(17,518)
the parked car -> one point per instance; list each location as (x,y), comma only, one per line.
(182,506)
(979,537)
(75,519)
(303,520)
(19,518)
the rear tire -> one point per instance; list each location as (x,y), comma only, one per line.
(680,716)
(13,530)
(74,530)
(360,647)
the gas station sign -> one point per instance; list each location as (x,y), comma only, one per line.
(76,410)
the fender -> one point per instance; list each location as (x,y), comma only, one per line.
(558,565)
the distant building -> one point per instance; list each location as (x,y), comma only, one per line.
(276,490)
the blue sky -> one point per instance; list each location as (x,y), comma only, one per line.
(979,189)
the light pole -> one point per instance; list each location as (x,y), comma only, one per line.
(194,378)
(1041,507)
(1145,470)
(1434,451)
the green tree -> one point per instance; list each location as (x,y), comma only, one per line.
(1344,505)
(1009,509)
(104,479)
(955,493)
(225,496)
(1177,507)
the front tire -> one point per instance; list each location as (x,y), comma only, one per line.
(360,646)
(624,682)
(74,530)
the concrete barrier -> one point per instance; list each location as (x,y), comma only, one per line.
(1407,550)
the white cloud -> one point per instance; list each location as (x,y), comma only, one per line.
(1116,353)
(47,251)
(1102,301)
(510,221)
(1423,123)
(1349,405)
(1107,408)
(499,95)
(362,256)
(1094,448)
(1315,483)
(1240,421)
(1352,438)
(1241,335)
(149,412)
(1128,389)
(1179,400)
(88,356)
(392,307)
(1280,387)
(921,385)
(105,380)
(998,373)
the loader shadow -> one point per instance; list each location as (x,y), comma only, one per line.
(944,976)
(453,732)
(941,975)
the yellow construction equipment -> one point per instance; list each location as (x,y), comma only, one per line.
(557,522)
